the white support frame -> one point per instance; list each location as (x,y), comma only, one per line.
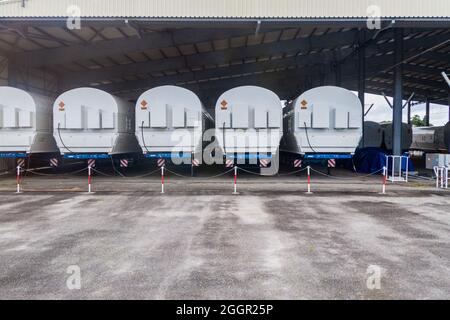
(441,177)
(397,175)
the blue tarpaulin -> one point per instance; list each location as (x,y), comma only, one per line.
(370,160)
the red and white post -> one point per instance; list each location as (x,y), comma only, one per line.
(89,179)
(384,180)
(162,179)
(18,179)
(235,180)
(309,180)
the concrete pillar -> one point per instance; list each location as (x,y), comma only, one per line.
(398,93)
(362,77)
(427,112)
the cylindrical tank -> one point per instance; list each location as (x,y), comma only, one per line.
(25,122)
(171,119)
(373,135)
(323,120)
(249,125)
(406,136)
(88,120)
(436,139)
(245,114)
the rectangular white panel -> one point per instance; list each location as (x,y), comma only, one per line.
(240,116)
(60,118)
(143,119)
(107,119)
(223,119)
(261,119)
(10,117)
(178,117)
(303,117)
(321,116)
(193,119)
(25,119)
(75,117)
(354,120)
(274,119)
(93,118)
(158,116)
(340,119)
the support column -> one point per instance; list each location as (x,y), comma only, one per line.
(362,77)
(13,73)
(409,112)
(338,78)
(398,93)
(427,112)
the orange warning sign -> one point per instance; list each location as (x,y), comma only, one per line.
(144,105)
(224,105)
(304,104)
(61,106)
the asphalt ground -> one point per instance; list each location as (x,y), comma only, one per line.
(200,241)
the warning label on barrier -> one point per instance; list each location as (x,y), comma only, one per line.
(61,106)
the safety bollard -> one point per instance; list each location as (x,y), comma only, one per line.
(309,180)
(89,179)
(235,180)
(18,179)
(162,179)
(384,180)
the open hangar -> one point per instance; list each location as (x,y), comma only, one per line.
(269,242)
(288,48)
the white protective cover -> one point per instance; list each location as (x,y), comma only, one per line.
(25,122)
(251,118)
(88,120)
(323,120)
(170,119)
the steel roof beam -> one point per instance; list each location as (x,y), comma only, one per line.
(99,49)
(216,57)
(328,41)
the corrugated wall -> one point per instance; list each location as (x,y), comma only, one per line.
(226,8)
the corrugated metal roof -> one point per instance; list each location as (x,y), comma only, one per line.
(226,8)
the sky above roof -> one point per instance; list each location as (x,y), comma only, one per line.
(382,112)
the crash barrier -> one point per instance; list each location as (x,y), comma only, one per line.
(441,177)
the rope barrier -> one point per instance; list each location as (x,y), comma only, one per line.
(421,177)
(127,177)
(341,178)
(206,178)
(33,171)
(254,173)
(102,173)
(291,173)
(5,173)
(178,174)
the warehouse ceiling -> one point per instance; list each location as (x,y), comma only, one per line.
(128,57)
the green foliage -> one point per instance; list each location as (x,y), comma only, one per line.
(419,122)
